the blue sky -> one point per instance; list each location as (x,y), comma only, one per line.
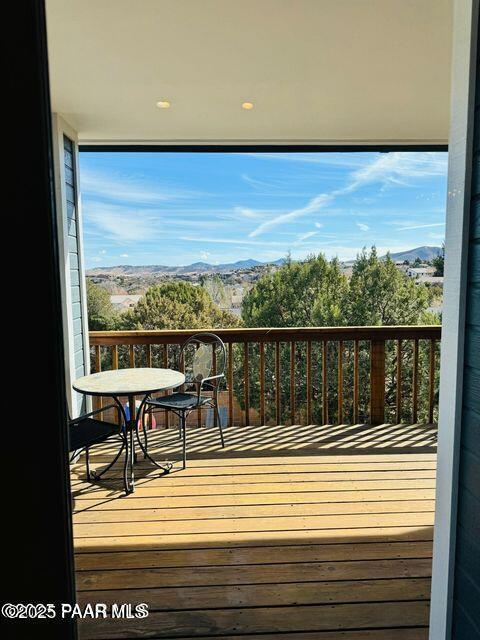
(179,208)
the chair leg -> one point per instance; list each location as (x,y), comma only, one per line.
(128,462)
(183,426)
(144,429)
(219,422)
(96,476)
(87,463)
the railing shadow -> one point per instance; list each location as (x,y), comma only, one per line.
(258,442)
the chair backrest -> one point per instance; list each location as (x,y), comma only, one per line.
(204,355)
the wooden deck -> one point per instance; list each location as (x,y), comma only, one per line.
(289,533)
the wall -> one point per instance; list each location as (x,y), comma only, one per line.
(69,225)
(466,591)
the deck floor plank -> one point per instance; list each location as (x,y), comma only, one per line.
(280,535)
(328,617)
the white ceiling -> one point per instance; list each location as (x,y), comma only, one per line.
(328,71)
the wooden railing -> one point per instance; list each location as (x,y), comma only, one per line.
(304,375)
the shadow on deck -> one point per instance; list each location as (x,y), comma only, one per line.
(288,532)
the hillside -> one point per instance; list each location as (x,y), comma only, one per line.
(425,254)
(196,267)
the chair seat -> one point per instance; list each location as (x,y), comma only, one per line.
(179,401)
(88,432)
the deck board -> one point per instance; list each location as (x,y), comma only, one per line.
(280,535)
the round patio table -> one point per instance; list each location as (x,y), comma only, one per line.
(131,383)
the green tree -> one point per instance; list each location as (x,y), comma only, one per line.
(315,293)
(298,294)
(102,316)
(438,262)
(380,294)
(177,305)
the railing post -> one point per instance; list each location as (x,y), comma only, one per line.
(415,382)
(309,382)
(230,384)
(246,383)
(377,382)
(431,381)
(166,414)
(355,381)
(324,382)
(292,382)
(340,383)
(115,357)
(261,347)
(278,406)
(398,399)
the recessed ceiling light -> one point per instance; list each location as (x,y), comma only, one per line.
(163,104)
(247,106)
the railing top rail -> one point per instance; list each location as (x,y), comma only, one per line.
(280,334)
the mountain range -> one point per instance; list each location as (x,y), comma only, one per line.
(197,267)
(424,253)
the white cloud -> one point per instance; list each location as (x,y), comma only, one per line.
(204,255)
(121,224)
(422,226)
(391,168)
(121,188)
(261,184)
(397,167)
(329,159)
(304,236)
(319,225)
(245,212)
(217,240)
(124,255)
(313,205)
(362,227)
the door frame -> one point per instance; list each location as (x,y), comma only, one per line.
(28,66)
(463,74)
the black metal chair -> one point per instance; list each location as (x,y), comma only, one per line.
(204,359)
(86,431)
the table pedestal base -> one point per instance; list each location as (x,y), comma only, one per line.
(131,437)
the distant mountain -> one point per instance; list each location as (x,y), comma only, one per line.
(425,254)
(196,267)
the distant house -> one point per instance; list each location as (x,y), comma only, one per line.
(422,270)
(123,302)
